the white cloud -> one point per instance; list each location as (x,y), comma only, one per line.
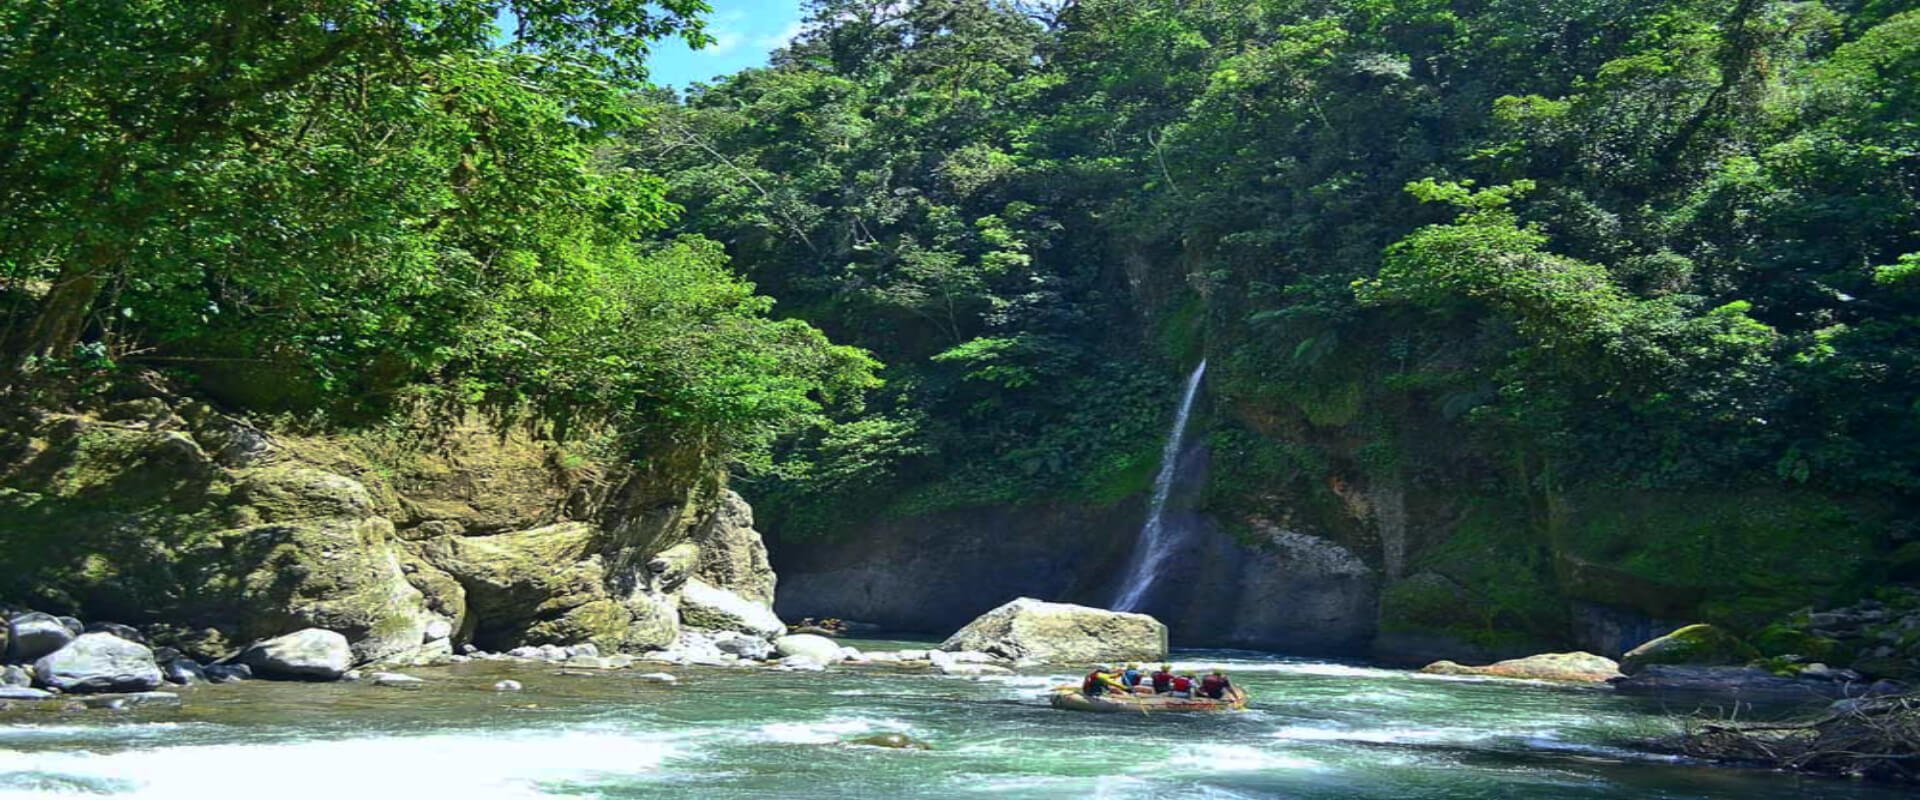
(723,43)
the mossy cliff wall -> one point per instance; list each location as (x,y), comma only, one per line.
(148,507)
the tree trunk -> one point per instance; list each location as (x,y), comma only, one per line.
(62,317)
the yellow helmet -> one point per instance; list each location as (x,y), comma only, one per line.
(1166,667)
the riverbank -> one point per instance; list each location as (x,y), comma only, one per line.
(1317,730)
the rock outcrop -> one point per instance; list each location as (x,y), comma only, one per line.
(711,608)
(1033,630)
(98,662)
(806,645)
(1693,645)
(311,655)
(155,508)
(1564,667)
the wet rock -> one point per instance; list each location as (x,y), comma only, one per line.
(1566,667)
(748,647)
(33,634)
(228,673)
(183,671)
(24,693)
(98,662)
(1732,685)
(313,654)
(394,679)
(127,632)
(73,625)
(587,649)
(1039,631)
(657,677)
(707,607)
(896,741)
(587,662)
(351,676)
(852,654)
(507,686)
(1695,645)
(131,700)
(819,648)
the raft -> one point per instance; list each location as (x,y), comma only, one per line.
(1073,700)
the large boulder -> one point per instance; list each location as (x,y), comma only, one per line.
(806,645)
(1034,630)
(313,654)
(731,553)
(98,662)
(707,607)
(1567,667)
(1732,685)
(1694,645)
(33,634)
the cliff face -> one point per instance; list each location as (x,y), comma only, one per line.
(148,507)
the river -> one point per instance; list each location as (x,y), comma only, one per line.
(1317,730)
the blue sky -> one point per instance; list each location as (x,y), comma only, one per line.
(747,31)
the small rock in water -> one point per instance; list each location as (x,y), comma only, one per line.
(525,652)
(802,664)
(228,673)
(658,677)
(552,652)
(310,654)
(394,679)
(618,661)
(588,649)
(122,701)
(507,686)
(23,693)
(896,741)
(183,671)
(469,649)
(587,662)
(852,654)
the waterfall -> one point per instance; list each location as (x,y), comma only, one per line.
(1153,545)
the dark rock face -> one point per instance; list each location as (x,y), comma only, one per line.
(228,673)
(127,632)
(1290,592)
(1732,685)
(183,671)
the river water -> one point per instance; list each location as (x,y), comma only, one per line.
(1317,730)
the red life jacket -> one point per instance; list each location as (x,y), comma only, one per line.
(1215,685)
(1162,680)
(1182,684)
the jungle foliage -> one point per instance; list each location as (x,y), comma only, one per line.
(363,209)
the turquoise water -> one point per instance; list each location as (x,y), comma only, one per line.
(1318,730)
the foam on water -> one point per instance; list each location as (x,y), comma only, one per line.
(825,731)
(476,765)
(1234,758)
(1302,733)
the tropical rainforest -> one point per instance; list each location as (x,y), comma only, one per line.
(1545,259)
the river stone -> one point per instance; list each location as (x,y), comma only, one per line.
(802,663)
(1696,683)
(1034,630)
(33,634)
(897,741)
(183,671)
(24,693)
(398,679)
(507,686)
(587,649)
(709,607)
(98,662)
(73,625)
(15,675)
(131,700)
(1695,645)
(748,647)
(228,673)
(1566,667)
(311,654)
(818,648)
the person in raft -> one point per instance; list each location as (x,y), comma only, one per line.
(1100,681)
(1132,676)
(1162,679)
(1216,685)
(1182,685)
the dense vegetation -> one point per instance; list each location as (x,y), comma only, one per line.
(1535,252)
(363,209)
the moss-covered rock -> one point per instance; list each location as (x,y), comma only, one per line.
(1694,645)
